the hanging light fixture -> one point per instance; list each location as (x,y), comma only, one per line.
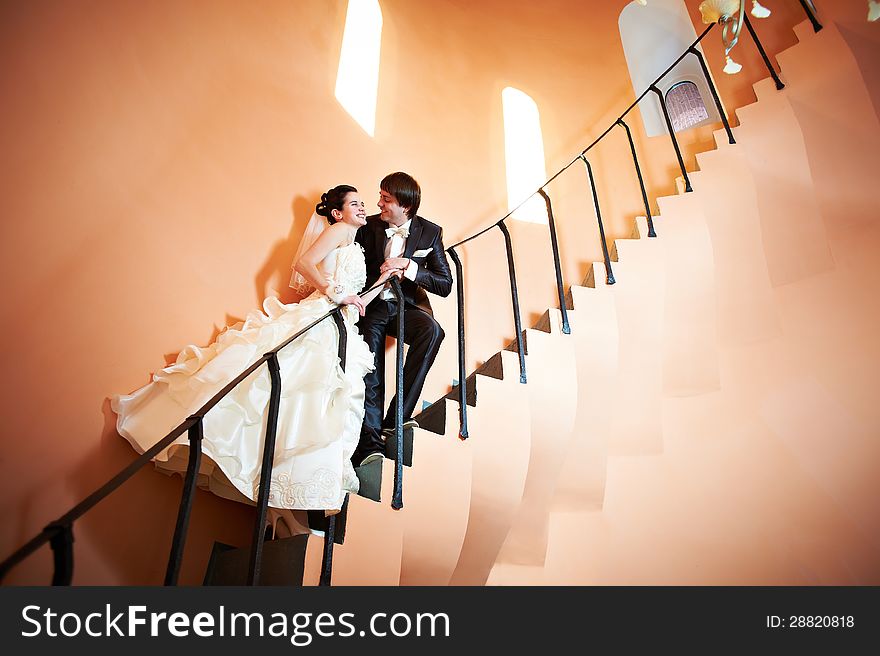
(730,14)
(759,11)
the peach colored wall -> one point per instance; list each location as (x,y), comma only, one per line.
(161,162)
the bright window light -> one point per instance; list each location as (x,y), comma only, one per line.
(357,81)
(523,155)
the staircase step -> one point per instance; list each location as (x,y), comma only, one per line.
(679,185)
(391,447)
(766,88)
(433,418)
(282,563)
(318,521)
(470,391)
(721,138)
(437,498)
(373,542)
(640,226)
(370,477)
(544,325)
(804,31)
(514,347)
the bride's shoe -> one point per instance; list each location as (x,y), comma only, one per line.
(286,523)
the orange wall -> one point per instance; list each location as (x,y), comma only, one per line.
(161,160)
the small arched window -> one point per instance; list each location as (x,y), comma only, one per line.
(685,106)
(653,36)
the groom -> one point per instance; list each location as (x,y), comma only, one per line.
(399,240)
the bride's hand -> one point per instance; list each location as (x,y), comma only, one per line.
(388,274)
(355,300)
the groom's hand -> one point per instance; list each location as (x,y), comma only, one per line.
(399,263)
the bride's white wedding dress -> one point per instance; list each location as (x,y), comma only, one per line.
(321,410)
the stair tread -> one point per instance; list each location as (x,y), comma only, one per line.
(282,563)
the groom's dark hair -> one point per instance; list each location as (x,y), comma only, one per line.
(405,189)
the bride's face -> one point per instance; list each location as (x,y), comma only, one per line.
(353,211)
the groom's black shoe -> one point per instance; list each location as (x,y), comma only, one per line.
(370,443)
(371,457)
(409,424)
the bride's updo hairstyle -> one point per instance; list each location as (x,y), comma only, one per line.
(333,200)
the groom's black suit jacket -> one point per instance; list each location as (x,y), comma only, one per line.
(433,275)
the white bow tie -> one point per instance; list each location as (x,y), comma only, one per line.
(402,231)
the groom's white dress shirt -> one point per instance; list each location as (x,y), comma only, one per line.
(394,247)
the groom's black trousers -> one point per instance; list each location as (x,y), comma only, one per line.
(423,335)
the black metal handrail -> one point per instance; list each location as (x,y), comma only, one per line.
(62,553)
(691,49)
(652,88)
(674,139)
(514,297)
(651,232)
(196,433)
(397,496)
(609,274)
(60,532)
(696,53)
(256,557)
(554,244)
(811,15)
(462,369)
(779,85)
(330,522)
(327,559)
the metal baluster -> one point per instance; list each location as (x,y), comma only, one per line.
(779,85)
(811,15)
(566,329)
(632,145)
(62,552)
(696,53)
(397,497)
(329,539)
(609,274)
(266,470)
(330,522)
(196,433)
(517,322)
(462,371)
(687,182)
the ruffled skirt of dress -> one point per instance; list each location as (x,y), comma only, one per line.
(320,415)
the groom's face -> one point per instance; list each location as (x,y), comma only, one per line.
(390,211)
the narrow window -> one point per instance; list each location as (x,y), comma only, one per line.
(357,80)
(523,155)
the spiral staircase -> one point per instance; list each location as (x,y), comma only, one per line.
(710,418)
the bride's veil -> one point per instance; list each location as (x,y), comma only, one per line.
(313,230)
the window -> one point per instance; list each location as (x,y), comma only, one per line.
(685,106)
(653,36)
(357,79)
(523,155)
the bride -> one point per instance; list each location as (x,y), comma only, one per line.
(322,406)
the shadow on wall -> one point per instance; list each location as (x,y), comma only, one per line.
(273,278)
